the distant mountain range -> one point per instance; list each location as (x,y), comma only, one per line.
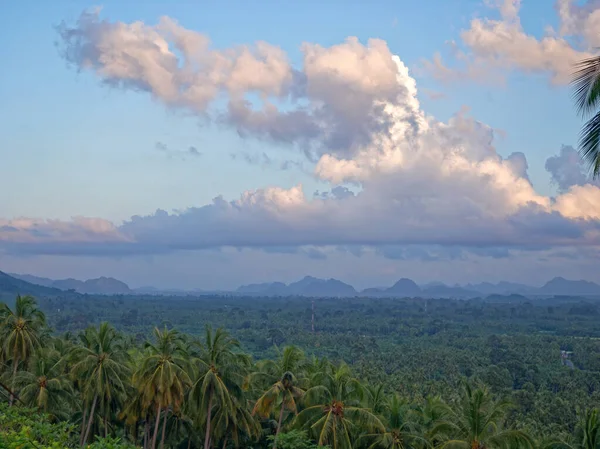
(311,286)
(308,286)
(99,286)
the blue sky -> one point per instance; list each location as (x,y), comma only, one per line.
(72,146)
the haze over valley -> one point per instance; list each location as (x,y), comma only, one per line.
(310,286)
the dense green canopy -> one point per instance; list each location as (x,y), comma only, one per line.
(377,373)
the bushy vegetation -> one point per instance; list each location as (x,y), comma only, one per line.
(377,373)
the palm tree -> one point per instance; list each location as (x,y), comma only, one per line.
(45,385)
(133,412)
(162,377)
(20,332)
(317,367)
(333,414)
(233,425)
(400,430)
(476,422)
(220,375)
(428,414)
(180,426)
(100,367)
(587,433)
(375,398)
(283,392)
(586,82)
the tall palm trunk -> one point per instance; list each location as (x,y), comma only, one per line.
(156,426)
(14,378)
(89,425)
(146,432)
(164,430)
(279,424)
(208,416)
(83,424)
(136,431)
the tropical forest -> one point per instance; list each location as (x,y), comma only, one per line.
(292,373)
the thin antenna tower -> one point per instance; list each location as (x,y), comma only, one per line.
(313,316)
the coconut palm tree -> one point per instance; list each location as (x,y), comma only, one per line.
(401,429)
(586,83)
(20,332)
(376,399)
(235,424)
(45,385)
(317,367)
(133,412)
(477,423)
(162,377)
(220,369)
(100,368)
(290,359)
(428,414)
(333,414)
(180,426)
(283,393)
(587,433)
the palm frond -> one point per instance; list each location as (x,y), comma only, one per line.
(589,144)
(586,84)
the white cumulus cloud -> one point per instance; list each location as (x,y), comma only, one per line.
(490,48)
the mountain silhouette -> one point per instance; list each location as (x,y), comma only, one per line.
(99,286)
(404,287)
(307,286)
(12,286)
(562,286)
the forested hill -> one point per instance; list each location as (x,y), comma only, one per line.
(10,286)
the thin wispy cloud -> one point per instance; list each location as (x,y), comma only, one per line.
(190,152)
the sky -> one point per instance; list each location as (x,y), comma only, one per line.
(212,144)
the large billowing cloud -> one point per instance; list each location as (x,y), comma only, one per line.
(353,110)
(490,48)
(335,103)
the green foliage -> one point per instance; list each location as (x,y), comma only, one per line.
(110,443)
(22,428)
(477,420)
(587,97)
(295,439)
(377,373)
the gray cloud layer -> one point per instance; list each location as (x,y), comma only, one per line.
(567,169)
(282,218)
